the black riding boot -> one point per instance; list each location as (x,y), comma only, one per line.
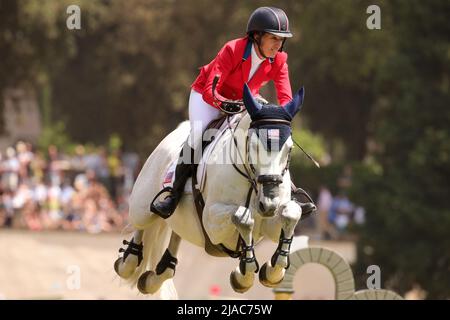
(307,207)
(183,171)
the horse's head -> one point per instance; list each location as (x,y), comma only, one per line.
(269,145)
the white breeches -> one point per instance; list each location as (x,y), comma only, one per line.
(200,115)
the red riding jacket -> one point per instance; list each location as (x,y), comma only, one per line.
(232,64)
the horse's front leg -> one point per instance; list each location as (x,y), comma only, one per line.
(151,281)
(126,265)
(272,272)
(242,278)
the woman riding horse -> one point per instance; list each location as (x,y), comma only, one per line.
(255,60)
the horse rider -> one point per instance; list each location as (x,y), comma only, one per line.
(254,59)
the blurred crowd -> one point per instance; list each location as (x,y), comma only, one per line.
(88,191)
(84,191)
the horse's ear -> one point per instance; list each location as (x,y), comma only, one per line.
(296,103)
(250,103)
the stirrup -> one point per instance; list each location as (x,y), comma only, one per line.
(308,208)
(152,204)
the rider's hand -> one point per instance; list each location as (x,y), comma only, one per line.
(231,106)
(261,99)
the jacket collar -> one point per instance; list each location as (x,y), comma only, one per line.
(248,51)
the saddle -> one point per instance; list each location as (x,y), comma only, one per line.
(220,127)
(214,250)
(198,181)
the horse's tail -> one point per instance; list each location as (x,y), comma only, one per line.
(155,240)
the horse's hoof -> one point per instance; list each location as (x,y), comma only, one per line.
(116,265)
(149,282)
(142,282)
(236,285)
(263,278)
(125,269)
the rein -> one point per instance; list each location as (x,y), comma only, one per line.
(247,174)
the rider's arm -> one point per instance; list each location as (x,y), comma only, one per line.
(283,85)
(222,67)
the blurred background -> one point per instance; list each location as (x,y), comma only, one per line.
(81,110)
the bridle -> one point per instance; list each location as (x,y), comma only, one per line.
(256,124)
(250,171)
(249,175)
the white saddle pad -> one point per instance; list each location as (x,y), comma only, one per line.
(169,177)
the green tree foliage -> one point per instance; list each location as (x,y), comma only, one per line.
(33,44)
(129,68)
(134,65)
(55,135)
(303,171)
(337,58)
(408,223)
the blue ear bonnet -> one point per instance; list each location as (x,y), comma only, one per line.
(272,135)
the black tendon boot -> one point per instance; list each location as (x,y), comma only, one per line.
(183,171)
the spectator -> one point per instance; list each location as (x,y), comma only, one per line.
(102,171)
(7,208)
(340,212)
(55,213)
(40,191)
(25,156)
(324,202)
(2,216)
(116,173)
(131,170)
(31,216)
(38,166)
(10,170)
(20,198)
(78,161)
(359,216)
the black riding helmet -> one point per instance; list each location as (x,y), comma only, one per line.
(271,20)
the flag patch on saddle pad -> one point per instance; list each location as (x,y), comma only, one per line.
(273,133)
(168,177)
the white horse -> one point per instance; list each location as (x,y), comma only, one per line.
(233,216)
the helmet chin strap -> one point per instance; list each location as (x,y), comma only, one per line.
(258,42)
(282,45)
